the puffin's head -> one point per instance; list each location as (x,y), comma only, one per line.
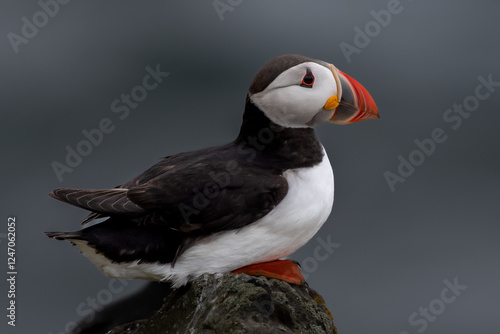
(296,91)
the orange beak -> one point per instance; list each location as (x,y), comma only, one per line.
(356,104)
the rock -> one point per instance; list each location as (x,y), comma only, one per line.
(237,304)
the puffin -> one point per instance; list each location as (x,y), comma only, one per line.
(241,207)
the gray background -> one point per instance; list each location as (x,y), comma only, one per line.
(396,248)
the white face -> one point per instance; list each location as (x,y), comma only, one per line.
(289,104)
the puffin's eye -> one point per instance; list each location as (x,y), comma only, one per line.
(307,80)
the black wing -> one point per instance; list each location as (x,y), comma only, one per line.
(197,192)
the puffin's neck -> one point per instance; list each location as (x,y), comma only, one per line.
(281,147)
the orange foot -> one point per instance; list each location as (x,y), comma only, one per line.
(285,270)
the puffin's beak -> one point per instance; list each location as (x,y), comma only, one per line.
(355,104)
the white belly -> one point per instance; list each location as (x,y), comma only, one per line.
(285,229)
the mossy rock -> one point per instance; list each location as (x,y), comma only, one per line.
(237,304)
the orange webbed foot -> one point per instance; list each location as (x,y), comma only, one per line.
(285,270)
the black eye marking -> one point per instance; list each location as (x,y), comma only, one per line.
(307,80)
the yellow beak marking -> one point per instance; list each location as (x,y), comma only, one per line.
(331,103)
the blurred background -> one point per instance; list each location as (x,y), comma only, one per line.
(398,246)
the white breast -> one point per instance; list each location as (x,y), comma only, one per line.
(285,229)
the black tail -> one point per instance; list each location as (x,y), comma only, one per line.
(122,240)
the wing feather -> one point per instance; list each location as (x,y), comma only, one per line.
(106,201)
